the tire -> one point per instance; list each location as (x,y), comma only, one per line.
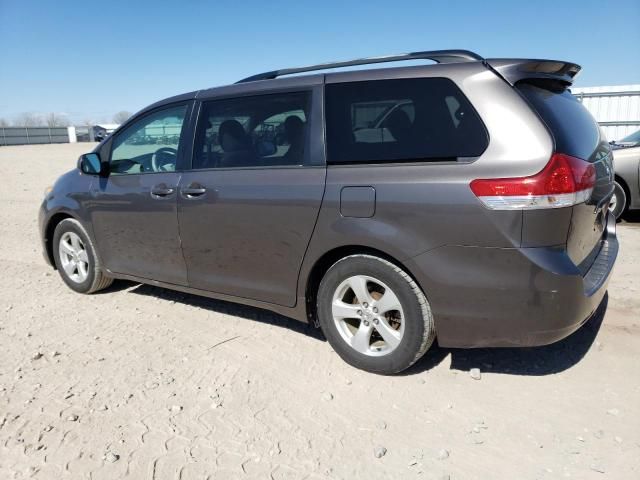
(82,272)
(619,201)
(355,330)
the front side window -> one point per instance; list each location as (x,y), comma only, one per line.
(256,131)
(149,144)
(424,119)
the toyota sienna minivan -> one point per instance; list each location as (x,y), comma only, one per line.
(465,200)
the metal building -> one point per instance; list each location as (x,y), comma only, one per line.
(616,108)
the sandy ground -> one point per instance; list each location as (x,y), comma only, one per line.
(140,382)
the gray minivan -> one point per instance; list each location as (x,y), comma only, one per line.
(466,199)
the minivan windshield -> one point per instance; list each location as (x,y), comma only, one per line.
(633,138)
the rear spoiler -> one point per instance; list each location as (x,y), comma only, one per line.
(512,70)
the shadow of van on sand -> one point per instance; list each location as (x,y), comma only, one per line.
(532,361)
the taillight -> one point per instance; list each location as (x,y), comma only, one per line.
(563,182)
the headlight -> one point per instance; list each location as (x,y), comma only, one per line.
(48,190)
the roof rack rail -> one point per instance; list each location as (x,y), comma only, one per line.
(438,56)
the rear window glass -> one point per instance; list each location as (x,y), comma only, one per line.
(255,131)
(425,119)
(574,130)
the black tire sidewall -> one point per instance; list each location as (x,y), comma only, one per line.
(73,226)
(412,340)
(621,197)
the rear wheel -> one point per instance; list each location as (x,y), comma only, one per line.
(618,203)
(76,260)
(374,315)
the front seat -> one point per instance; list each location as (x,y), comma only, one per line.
(295,132)
(236,145)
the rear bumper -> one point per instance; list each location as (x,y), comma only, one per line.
(503,297)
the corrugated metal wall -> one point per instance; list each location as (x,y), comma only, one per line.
(616,108)
(28,135)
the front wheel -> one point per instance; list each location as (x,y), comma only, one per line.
(374,315)
(618,203)
(76,259)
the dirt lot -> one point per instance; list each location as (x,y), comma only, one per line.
(140,382)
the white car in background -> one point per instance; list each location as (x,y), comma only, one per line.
(632,140)
(626,161)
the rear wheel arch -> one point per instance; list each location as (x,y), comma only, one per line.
(322,265)
(383,325)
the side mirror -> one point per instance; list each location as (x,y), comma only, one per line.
(90,164)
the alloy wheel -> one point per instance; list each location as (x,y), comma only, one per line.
(74,257)
(368,315)
(613,202)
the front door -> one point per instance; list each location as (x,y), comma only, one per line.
(248,207)
(134,208)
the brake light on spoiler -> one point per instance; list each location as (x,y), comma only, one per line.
(563,182)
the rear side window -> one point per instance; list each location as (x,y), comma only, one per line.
(424,119)
(255,131)
(574,130)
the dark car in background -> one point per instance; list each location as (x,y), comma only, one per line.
(467,200)
(101,131)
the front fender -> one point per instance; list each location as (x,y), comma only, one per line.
(67,199)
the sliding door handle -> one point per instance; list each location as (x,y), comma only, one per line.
(194,190)
(161,191)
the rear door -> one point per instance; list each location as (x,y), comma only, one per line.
(248,206)
(576,133)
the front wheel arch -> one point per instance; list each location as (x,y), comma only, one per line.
(49,231)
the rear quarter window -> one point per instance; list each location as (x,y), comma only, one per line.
(574,130)
(424,119)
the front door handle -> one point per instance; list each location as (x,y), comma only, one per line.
(161,191)
(194,190)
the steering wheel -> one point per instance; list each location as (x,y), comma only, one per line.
(163,159)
